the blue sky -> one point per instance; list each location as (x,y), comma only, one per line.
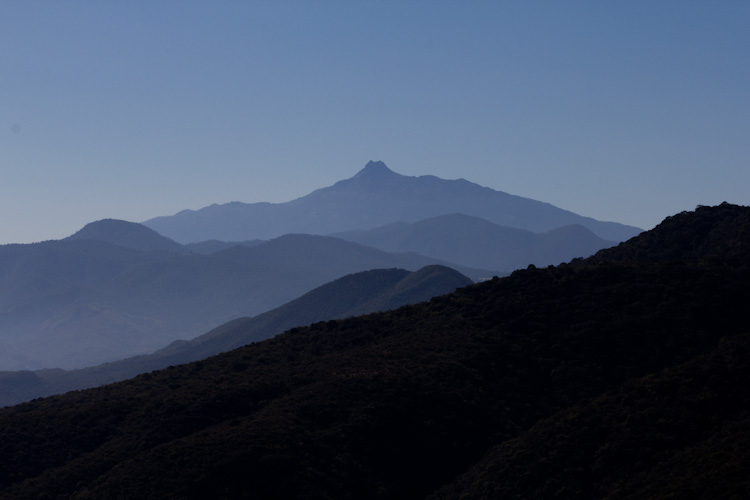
(625,111)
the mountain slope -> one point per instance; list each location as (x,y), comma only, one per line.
(360,293)
(375,196)
(475,242)
(79,302)
(397,404)
(681,433)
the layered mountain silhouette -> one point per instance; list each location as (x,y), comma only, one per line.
(475,242)
(354,294)
(79,301)
(619,376)
(375,196)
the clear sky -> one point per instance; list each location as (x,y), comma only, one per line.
(627,111)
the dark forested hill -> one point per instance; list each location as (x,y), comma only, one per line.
(596,379)
(360,293)
(721,232)
(475,242)
(373,197)
(82,301)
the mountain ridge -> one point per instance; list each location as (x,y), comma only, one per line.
(374,196)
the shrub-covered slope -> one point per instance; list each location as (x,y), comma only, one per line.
(721,232)
(401,404)
(680,433)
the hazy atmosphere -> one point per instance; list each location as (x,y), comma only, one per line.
(375,249)
(628,111)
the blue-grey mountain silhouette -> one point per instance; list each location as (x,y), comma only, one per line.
(375,196)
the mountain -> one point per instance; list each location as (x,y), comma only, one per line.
(139,237)
(375,196)
(79,302)
(594,379)
(126,234)
(359,293)
(475,242)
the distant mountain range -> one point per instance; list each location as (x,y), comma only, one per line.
(117,289)
(623,375)
(475,242)
(354,294)
(375,196)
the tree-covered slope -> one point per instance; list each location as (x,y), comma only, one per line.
(721,232)
(401,404)
(680,433)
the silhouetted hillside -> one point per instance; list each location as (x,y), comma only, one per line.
(721,232)
(401,404)
(360,293)
(375,196)
(475,242)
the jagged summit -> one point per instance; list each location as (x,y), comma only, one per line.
(375,169)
